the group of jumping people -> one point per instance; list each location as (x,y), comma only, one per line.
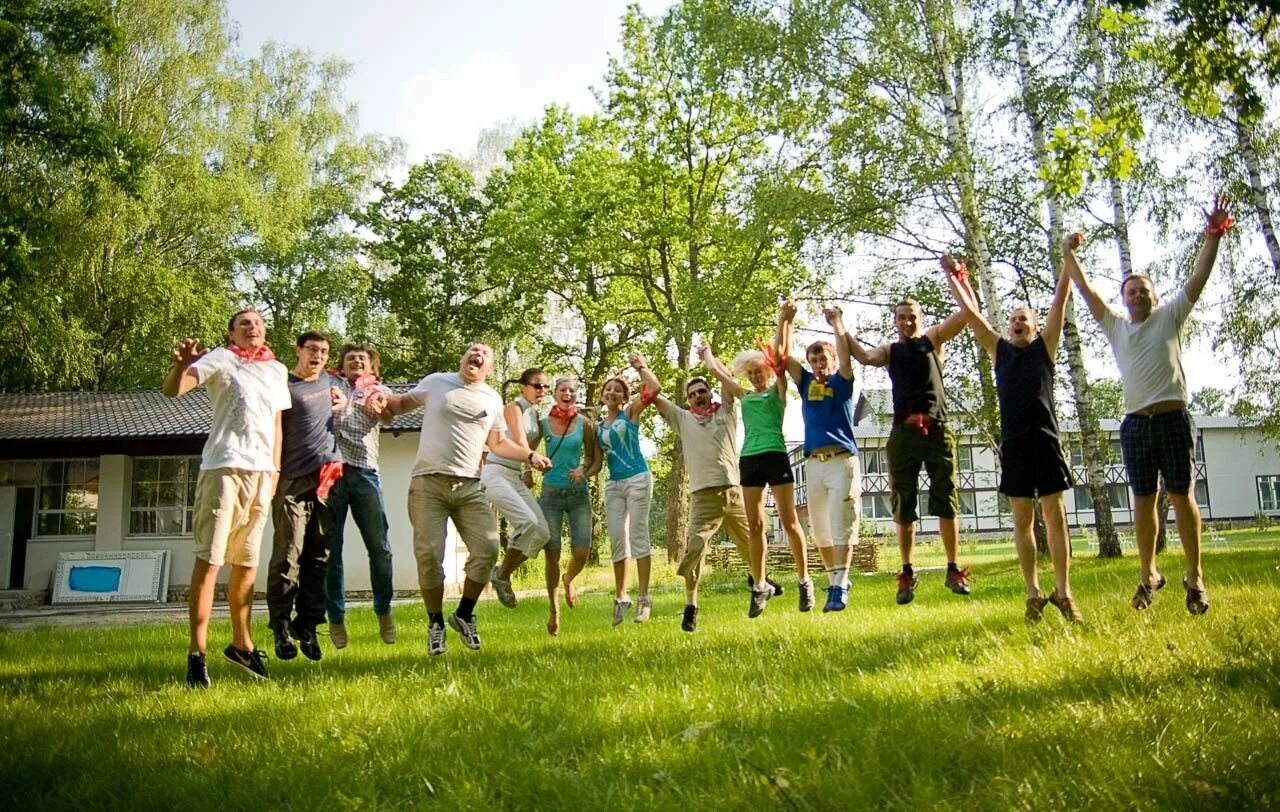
(301,445)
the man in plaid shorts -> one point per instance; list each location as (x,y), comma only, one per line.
(1156,437)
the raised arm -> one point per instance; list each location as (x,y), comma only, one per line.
(181,378)
(1071,265)
(782,338)
(648,381)
(835,318)
(1218,221)
(728,385)
(982,330)
(1052,331)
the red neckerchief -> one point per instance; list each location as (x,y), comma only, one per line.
(562,414)
(647,396)
(366,381)
(707,412)
(776,361)
(961,273)
(263,353)
(920,420)
(1221,229)
(330,473)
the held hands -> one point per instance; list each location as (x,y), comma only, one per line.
(1072,243)
(834,316)
(375,403)
(704,349)
(578,475)
(787,312)
(637,362)
(538,462)
(186,352)
(1219,220)
(338,398)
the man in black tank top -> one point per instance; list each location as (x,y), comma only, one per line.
(1031,459)
(919,437)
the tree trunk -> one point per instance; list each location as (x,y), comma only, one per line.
(1091,441)
(1258,193)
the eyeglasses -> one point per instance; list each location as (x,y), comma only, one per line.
(696,392)
(314,350)
(539,386)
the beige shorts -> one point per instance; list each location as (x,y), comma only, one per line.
(230,513)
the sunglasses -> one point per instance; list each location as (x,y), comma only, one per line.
(539,386)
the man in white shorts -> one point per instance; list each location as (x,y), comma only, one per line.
(461,416)
(248,390)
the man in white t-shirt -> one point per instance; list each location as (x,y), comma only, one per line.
(709,447)
(248,390)
(462,415)
(1156,437)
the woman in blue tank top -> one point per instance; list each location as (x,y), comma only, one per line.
(570,442)
(629,489)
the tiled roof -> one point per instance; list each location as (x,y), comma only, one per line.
(143,413)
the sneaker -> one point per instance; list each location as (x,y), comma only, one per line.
(435,639)
(643,605)
(759,599)
(805,588)
(338,634)
(1035,607)
(837,599)
(387,628)
(286,649)
(777,587)
(1145,596)
(1197,599)
(466,628)
(250,661)
(620,609)
(690,621)
(907,587)
(308,642)
(502,588)
(197,670)
(1067,606)
(958,581)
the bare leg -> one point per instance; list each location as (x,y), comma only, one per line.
(950,532)
(240,596)
(1055,520)
(472,589)
(642,572)
(784,496)
(754,503)
(906,541)
(1144,530)
(1024,513)
(577,563)
(434,600)
(620,579)
(513,559)
(553,587)
(1187,514)
(200,603)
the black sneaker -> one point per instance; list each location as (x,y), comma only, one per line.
(690,621)
(907,587)
(286,649)
(250,661)
(308,642)
(197,670)
(958,581)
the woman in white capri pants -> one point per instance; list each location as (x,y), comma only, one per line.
(629,489)
(507,489)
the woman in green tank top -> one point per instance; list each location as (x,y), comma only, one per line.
(763,461)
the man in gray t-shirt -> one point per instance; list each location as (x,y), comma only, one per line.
(1156,437)
(462,415)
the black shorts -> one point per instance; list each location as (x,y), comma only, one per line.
(1158,444)
(769,468)
(1033,465)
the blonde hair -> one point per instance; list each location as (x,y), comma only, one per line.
(745,359)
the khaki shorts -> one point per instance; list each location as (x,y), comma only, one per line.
(230,513)
(434,499)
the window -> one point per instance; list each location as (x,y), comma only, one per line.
(873,461)
(1002,504)
(1114,451)
(876,506)
(1119,497)
(68,498)
(1077,452)
(968,503)
(164,490)
(1202,493)
(1199,446)
(964,458)
(1269,493)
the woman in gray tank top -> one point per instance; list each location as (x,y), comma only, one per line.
(507,489)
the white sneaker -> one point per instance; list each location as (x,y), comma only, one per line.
(435,639)
(620,609)
(466,628)
(386,630)
(643,605)
(338,634)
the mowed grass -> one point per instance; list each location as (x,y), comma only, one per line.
(950,702)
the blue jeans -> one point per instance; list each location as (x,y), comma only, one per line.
(360,491)
(575,503)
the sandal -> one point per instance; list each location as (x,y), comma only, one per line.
(1197,599)
(1067,606)
(1035,607)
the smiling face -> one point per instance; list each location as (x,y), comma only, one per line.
(615,394)
(1139,297)
(313,354)
(1022,326)
(356,363)
(535,390)
(906,320)
(699,394)
(248,331)
(758,375)
(566,393)
(477,363)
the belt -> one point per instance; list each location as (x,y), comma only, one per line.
(1164,407)
(823,456)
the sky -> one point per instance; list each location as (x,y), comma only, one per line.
(434,73)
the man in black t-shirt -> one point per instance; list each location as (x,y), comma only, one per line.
(919,437)
(1031,461)
(303,521)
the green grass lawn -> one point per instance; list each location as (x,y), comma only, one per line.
(950,702)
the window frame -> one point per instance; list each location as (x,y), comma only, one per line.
(189,472)
(41,512)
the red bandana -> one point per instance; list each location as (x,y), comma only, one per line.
(263,353)
(776,361)
(961,273)
(561,413)
(1221,229)
(330,473)
(707,412)
(647,396)
(920,421)
(366,381)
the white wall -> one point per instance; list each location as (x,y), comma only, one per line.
(1234,460)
